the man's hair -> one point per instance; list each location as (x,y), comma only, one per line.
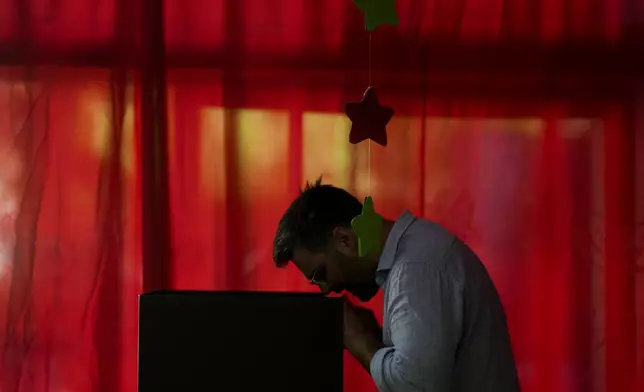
(309,221)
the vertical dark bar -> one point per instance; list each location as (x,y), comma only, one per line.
(619,176)
(355,76)
(422,158)
(423,119)
(233,96)
(107,324)
(154,143)
(296,132)
(295,158)
(638,187)
(582,252)
(109,202)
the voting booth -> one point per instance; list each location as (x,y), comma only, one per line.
(239,341)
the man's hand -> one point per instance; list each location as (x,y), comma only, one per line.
(362,333)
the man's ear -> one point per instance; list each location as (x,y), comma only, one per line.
(345,239)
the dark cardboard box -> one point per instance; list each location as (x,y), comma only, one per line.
(239,341)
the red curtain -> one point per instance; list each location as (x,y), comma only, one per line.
(152,144)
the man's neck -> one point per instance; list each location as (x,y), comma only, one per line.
(373,259)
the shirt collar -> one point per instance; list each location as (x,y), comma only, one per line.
(388,255)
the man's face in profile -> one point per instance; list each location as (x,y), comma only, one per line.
(334,272)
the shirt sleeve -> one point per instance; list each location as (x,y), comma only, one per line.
(425,319)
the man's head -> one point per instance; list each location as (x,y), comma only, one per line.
(315,234)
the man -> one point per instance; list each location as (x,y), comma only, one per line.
(444,327)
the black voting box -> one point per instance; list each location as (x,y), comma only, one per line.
(239,341)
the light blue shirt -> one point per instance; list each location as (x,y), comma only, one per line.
(444,325)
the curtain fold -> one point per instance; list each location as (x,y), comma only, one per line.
(148,144)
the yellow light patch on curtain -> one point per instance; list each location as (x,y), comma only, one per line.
(326,148)
(262,151)
(575,128)
(94,119)
(128,153)
(529,127)
(212,163)
(96,127)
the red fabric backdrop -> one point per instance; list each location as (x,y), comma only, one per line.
(152,144)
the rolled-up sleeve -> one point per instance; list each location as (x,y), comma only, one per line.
(425,311)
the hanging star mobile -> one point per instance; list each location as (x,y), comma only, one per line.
(368,119)
(369,122)
(378,13)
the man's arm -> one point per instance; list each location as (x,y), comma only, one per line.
(364,353)
(425,318)
(362,333)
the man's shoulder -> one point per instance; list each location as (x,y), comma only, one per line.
(429,249)
(409,273)
(425,241)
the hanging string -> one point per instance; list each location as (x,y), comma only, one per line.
(369,141)
(369,59)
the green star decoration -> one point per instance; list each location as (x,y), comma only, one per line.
(367,227)
(378,12)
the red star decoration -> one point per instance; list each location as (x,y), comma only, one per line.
(368,119)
